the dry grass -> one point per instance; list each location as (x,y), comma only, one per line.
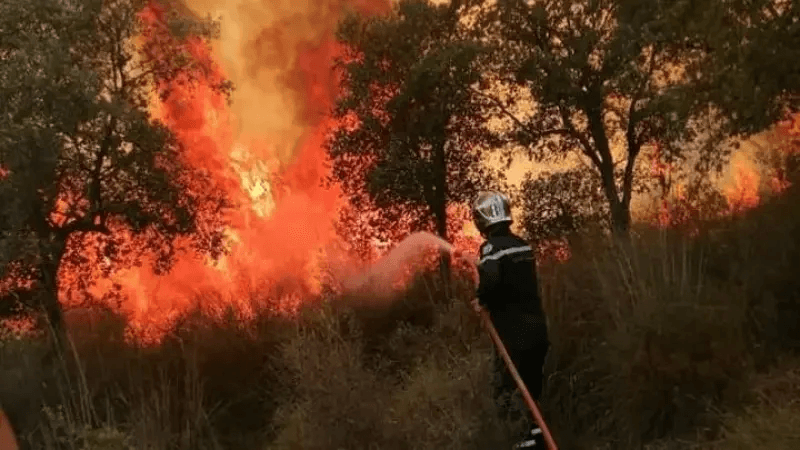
(668,343)
(773,421)
(641,349)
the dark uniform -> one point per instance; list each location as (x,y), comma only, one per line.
(509,290)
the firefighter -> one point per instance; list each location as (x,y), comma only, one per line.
(508,289)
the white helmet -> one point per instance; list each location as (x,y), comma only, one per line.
(490,208)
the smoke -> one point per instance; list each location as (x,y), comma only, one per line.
(278,54)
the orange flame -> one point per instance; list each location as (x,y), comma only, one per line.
(788,134)
(266,150)
(750,183)
(743,194)
(745,191)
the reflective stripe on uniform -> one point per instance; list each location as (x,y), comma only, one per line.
(506,252)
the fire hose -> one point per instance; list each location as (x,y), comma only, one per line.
(530,403)
(7,439)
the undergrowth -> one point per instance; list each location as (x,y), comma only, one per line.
(665,342)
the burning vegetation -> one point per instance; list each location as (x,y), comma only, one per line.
(235,219)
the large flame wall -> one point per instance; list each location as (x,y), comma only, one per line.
(265,147)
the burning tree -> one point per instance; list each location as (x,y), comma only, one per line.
(606,78)
(408,144)
(779,156)
(91,181)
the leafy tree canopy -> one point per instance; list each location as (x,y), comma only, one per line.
(607,78)
(83,159)
(411,131)
(753,75)
(559,204)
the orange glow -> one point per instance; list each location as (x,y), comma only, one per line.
(673,208)
(750,182)
(282,230)
(788,136)
(661,172)
(555,251)
(266,150)
(462,231)
(744,193)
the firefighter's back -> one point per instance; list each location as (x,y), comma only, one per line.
(518,289)
(515,306)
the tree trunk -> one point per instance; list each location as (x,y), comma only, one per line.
(620,211)
(620,219)
(48,293)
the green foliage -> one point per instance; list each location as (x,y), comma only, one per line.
(754,73)
(603,81)
(82,154)
(408,121)
(608,78)
(599,73)
(671,324)
(560,204)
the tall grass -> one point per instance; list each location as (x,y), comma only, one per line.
(773,421)
(645,342)
(668,342)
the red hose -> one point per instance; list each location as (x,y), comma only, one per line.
(7,439)
(537,416)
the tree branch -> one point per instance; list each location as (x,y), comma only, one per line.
(95,197)
(627,181)
(499,105)
(634,141)
(587,146)
(533,134)
(85,225)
